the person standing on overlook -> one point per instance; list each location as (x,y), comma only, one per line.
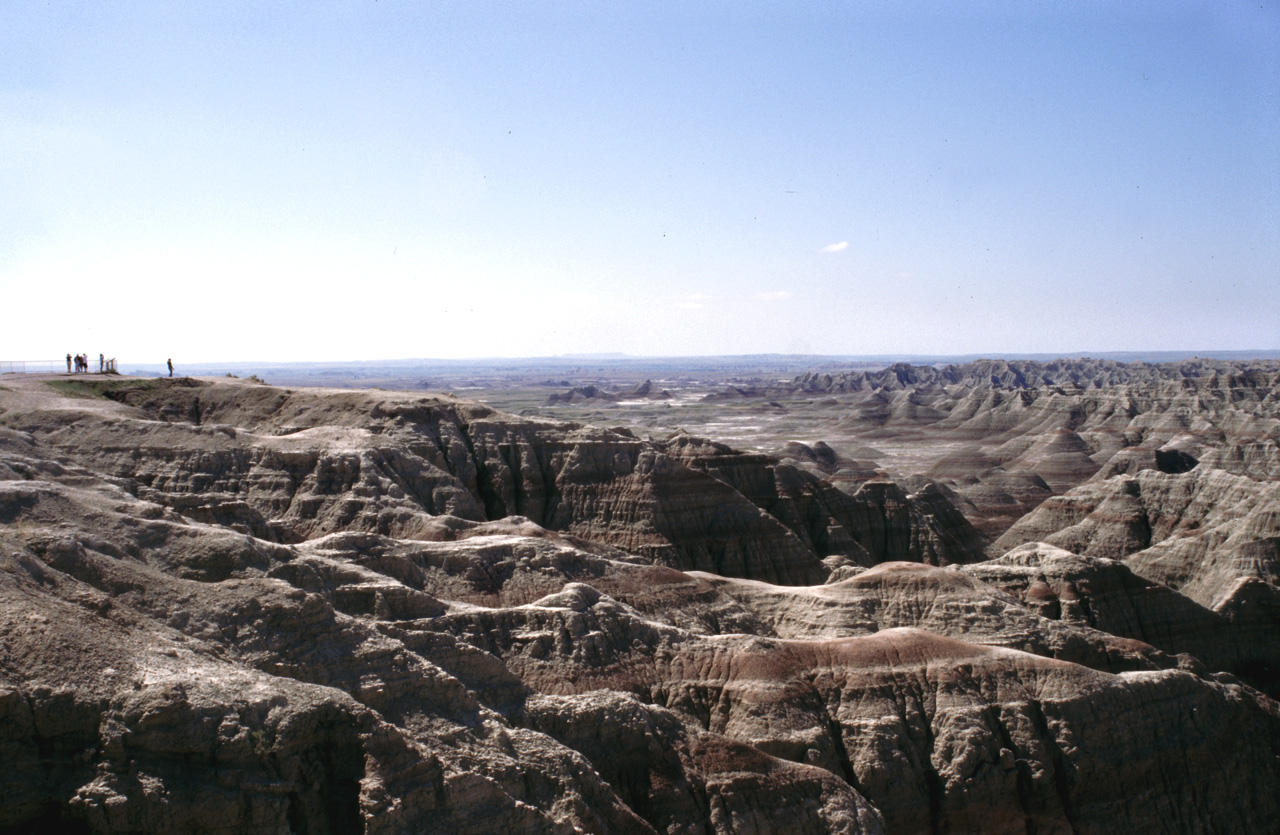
(170,366)
(68,363)
(102,361)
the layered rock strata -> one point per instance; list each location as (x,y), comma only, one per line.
(1043,428)
(225,607)
(291,693)
(296,465)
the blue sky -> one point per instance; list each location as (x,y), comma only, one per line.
(359,180)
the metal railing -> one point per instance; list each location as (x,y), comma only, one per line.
(50,366)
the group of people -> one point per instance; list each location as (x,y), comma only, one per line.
(82,363)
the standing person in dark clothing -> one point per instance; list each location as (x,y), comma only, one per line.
(102,361)
(170,366)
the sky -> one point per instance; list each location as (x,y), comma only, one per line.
(370,179)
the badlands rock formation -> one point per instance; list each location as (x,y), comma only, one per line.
(1022,431)
(641,391)
(227,607)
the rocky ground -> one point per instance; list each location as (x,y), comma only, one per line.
(235,607)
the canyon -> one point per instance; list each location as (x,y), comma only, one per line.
(1002,596)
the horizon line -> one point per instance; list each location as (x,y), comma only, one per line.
(1189,353)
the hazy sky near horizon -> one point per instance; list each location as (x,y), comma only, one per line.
(363,180)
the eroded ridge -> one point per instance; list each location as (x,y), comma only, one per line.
(227,607)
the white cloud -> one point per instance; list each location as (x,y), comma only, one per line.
(840,247)
(776,296)
(693,301)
